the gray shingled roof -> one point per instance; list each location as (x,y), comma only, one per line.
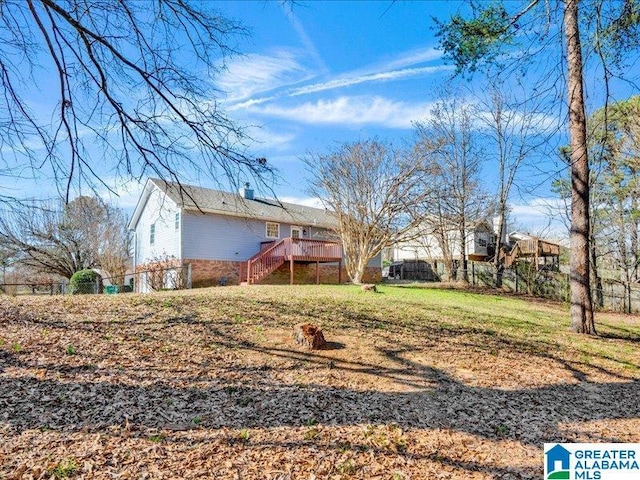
(209,200)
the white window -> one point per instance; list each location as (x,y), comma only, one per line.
(273,230)
(152,234)
(177,221)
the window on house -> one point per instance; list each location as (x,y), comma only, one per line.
(177,222)
(152,234)
(482,242)
(273,230)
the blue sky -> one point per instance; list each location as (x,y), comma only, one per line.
(316,74)
(323,73)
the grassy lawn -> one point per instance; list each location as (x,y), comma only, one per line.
(419,383)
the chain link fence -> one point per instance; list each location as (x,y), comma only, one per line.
(610,295)
(51,288)
(153,279)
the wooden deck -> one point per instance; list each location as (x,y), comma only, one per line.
(534,248)
(293,250)
(538,247)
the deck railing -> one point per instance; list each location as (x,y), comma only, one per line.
(313,250)
(292,249)
(265,262)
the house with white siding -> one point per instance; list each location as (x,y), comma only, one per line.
(479,243)
(224,238)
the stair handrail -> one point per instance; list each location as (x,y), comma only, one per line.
(263,263)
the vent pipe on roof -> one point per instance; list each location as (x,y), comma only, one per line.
(247,191)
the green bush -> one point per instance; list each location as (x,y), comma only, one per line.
(85,281)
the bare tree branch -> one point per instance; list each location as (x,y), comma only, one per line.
(135,92)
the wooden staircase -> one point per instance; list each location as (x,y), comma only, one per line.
(301,250)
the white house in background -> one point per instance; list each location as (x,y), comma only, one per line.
(479,244)
(231,238)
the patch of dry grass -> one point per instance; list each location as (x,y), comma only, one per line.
(210,384)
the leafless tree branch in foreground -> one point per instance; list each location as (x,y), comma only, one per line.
(134,93)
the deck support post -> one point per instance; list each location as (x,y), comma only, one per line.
(317,273)
(291,270)
(340,272)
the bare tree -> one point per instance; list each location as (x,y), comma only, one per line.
(62,240)
(373,190)
(114,246)
(456,197)
(133,91)
(5,261)
(515,129)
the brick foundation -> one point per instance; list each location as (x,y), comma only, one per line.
(208,273)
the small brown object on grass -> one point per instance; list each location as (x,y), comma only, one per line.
(310,336)
(368,287)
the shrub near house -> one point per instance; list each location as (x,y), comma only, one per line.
(85,281)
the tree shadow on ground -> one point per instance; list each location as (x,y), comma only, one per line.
(222,393)
(532,415)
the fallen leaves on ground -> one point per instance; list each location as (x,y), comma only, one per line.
(211,384)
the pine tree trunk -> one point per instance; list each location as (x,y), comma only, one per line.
(581,303)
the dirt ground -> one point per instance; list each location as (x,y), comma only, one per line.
(211,384)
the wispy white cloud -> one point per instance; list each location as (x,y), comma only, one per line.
(259,79)
(413,57)
(272,140)
(516,121)
(368,78)
(360,110)
(255,74)
(310,47)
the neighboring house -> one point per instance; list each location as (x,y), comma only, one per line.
(228,238)
(479,244)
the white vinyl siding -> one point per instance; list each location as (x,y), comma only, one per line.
(427,247)
(221,237)
(156,236)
